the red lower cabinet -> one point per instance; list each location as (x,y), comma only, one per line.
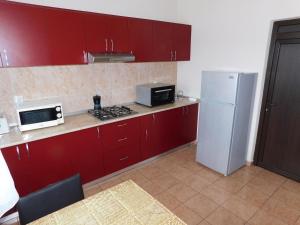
(121,144)
(99,151)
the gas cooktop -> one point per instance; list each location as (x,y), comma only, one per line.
(112,112)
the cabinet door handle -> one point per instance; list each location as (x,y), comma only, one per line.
(171,55)
(124,158)
(153,116)
(27,150)
(18,152)
(98,132)
(146,132)
(183,110)
(112,44)
(175,55)
(106,45)
(1,60)
(122,139)
(122,125)
(6,57)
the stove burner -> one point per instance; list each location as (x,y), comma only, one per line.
(107,113)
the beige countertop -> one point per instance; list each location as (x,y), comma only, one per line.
(82,121)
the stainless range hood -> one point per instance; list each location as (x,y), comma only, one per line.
(110,57)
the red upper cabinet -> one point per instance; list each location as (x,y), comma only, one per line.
(141,39)
(23,35)
(162,41)
(66,39)
(181,42)
(35,36)
(172,42)
(106,33)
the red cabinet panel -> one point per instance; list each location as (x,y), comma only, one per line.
(34,36)
(149,137)
(181,42)
(106,33)
(121,144)
(23,36)
(85,152)
(65,34)
(191,123)
(162,41)
(141,39)
(18,164)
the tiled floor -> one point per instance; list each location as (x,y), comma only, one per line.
(251,196)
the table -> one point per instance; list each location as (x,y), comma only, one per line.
(126,203)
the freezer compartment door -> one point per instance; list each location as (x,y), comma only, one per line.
(215,131)
(219,87)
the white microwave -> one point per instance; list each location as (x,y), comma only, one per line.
(39,114)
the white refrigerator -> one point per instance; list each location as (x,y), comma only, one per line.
(224,120)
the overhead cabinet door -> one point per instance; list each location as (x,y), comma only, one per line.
(106,33)
(23,36)
(181,42)
(162,41)
(141,39)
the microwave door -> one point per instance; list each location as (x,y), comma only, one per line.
(38,116)
(162,96)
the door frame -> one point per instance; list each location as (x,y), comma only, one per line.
(282,30)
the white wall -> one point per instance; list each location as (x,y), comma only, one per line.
(149,9)
(230,35)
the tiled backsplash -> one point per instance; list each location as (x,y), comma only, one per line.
(75,85)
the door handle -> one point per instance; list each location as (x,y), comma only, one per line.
(270,106)
(175,55)
(122,139)
(27,150)
(122,125)
(5,57)
(171,55)
(1,60)
(146,132)
(18,152)
(112,44)
(98,132)
(124,158)
(106,45)
(153,117)
(164,90)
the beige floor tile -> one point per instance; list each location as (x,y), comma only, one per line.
(182,192)
(150,171)
(209,175)
(253,195)
(91,191)
(196,182)
(263,185)
(187,215)
(165,164)
(262,218)
(281,211)
(288,198)
(292,186)
(252,170)
(271,177)
(152,188)
(110,183)
(201,205)
(216,194)
(298,222)
(165,181)
(134,175)
(242,176)
(241,208)
(229,184)
(193,166)
(224,217)
(168,200)
(204,223)
(180,173)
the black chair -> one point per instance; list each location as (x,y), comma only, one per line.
(50,199)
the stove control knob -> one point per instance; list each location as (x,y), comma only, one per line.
(58,115)
(58,109)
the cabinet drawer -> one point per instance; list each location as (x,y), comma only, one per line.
(120,158)
(120,134)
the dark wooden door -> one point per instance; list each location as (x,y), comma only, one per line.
(278,146)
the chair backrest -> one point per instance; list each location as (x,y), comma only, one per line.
(50,199)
